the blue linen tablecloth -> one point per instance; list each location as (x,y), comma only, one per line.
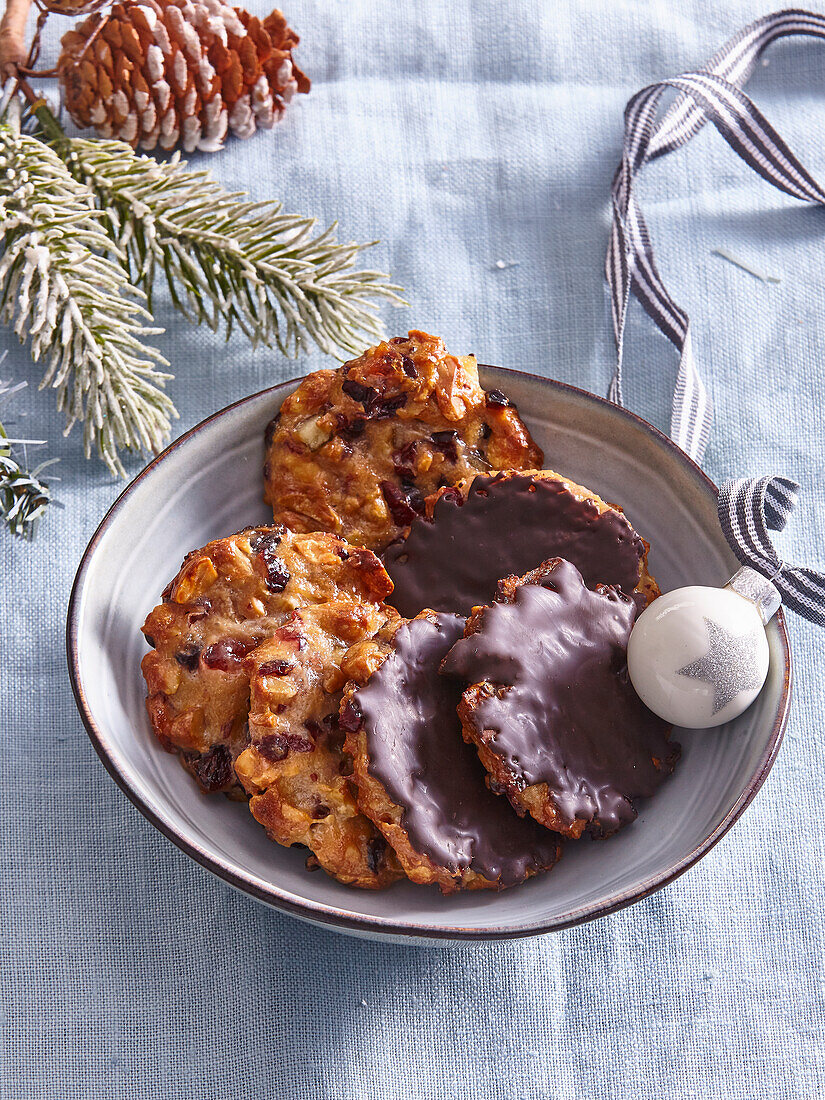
(462,134)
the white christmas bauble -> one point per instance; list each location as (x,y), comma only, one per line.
(698,656)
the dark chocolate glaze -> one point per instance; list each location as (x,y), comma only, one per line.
(508,524)
(417,753)
(569,716)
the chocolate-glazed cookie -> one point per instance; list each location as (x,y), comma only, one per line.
(551,709)
(489,527)
(355,451)
(295,767)
(418,781)
(227,598)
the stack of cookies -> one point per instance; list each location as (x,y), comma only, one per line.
(419,669)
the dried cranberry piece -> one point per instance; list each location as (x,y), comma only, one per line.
(297,743)
(277,746)
(350,429)
(188,657)
(313,729)
(267,537)
(399,339)
(290,634)
(364,395)
(278,667)
(496,399)
(277,574)
(272,747)
(270,431)
(213,768)
(447,443)
(405,502)
(403,461)
(227,654)
(351,716)
(374,407)
(408,367)
(376,850)
(381,410)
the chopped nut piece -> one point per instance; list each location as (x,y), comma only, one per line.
(311,433)
(194,580)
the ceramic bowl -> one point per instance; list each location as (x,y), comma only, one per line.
(208,484)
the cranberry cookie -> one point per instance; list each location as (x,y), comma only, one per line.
(550,708)
(418,781)
(227,598)
(490,527)
(355,451)
(295,767)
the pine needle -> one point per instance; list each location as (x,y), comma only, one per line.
(745,266)
(63,287)
(23,496)
(228,261)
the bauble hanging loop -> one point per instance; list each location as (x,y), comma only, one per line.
(698,656)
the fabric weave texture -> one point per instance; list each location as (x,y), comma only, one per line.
(478,141)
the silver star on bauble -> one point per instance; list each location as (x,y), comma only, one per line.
(729,664)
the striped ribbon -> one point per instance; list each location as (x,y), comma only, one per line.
(748,508)
(713,94)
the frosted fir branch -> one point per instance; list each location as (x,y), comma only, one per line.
(228,261)
(24,497)
(64,288)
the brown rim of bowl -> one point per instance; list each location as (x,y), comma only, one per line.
(322,914)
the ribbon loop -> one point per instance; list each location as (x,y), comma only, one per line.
(711,94)
(748,509)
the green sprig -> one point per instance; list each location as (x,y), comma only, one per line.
(86,227)
(24,497)
(228,261)
(63,287)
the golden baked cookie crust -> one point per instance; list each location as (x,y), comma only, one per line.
(295,767)
(227,598)
(355,451)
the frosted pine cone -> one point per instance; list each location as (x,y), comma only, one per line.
(164,72)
